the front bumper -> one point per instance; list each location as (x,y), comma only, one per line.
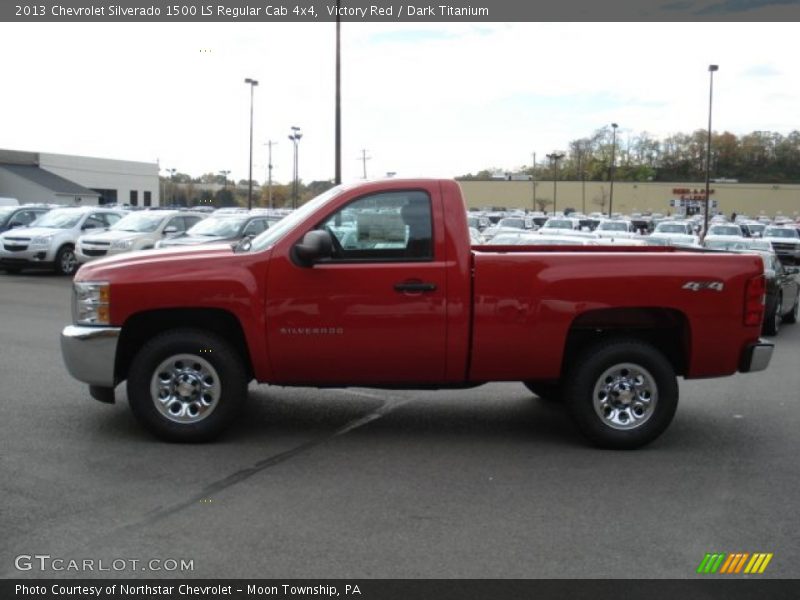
(28,257)
(756,357)
(89,353)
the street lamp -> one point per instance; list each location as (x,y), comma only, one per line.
(269,145)
(295,139)
(612,168)
(555,157)
(338,104)
(711,69)
(253,83)
(225,180)
(172,182)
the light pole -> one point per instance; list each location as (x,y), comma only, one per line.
(338,103)
(225,179)
(269,145)
(172,182)
(711,69)
(555,157)
(611,169)
(253,83)
(533,181)
(295,138)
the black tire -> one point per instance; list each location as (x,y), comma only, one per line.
(791,318)
(211,373)
(621,399)
(12,270)
(66,262)
(551,392)
(773,322)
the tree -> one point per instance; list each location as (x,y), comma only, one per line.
(543,203)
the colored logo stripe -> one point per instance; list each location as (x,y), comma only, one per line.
(724,563)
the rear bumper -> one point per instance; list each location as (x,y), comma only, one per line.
(756,357)
(89,353)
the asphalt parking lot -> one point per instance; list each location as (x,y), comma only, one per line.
(489,482)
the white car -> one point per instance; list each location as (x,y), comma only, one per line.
(615,228)
(50,240)
(785,242)
(137,231)
(724,231)
(675,233)
(560,225)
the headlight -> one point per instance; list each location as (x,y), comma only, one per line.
(90,303)
(42,240)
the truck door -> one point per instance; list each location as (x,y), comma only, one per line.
(375,312)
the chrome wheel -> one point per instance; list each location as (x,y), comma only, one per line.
(185,388)
(625,396)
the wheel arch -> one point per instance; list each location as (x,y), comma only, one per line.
(668,330)
(143,326)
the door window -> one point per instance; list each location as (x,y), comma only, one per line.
(390,226)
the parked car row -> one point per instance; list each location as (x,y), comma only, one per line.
(62,238)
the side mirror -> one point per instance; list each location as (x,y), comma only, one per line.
(170,230)
(316,244)
(89,226)
(14,224)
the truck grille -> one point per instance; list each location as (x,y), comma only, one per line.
(785,248)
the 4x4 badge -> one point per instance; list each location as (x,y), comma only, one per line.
(696,286)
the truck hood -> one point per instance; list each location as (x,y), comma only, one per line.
(153,262)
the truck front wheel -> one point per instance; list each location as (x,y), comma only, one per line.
(186,385)
(622,394)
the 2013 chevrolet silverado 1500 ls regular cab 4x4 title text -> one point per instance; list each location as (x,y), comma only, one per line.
(376,285)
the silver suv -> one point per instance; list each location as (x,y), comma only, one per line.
(138,231)
(49,242)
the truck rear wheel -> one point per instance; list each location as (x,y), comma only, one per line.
(186,385)
(622,394)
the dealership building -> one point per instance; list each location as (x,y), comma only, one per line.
(69,180)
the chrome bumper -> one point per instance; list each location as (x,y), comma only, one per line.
(756,357)
(89,353)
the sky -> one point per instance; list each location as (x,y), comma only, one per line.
(423,99)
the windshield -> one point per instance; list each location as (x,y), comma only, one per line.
(558,224)
(140,222)
(725,230)
(59,219)
(287,223)
(613,226)
(218,226)
(671,228)
(780,232)
(517,223)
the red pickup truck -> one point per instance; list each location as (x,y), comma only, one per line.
(376,285)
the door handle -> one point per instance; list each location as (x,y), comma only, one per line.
(414,286)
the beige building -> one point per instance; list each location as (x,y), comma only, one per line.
(743,198)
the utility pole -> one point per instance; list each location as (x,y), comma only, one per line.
(269,145)
(252,83)
(533,181)
(364,158)
(711,70)
(338,101)
(555,157)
